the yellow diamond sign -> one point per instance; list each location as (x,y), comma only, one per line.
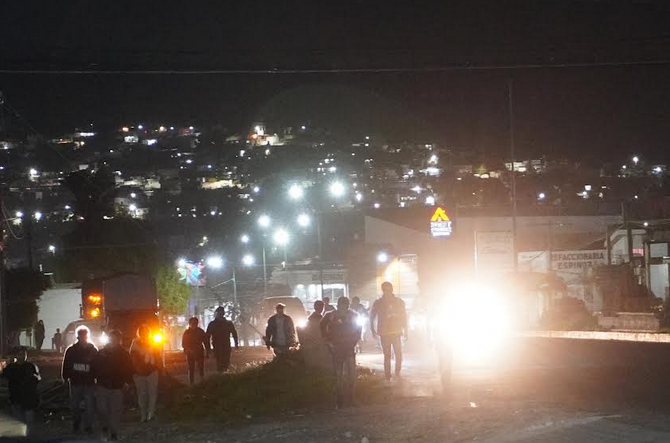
(440,223)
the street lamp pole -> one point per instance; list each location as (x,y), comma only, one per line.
(235,305)
(265,272)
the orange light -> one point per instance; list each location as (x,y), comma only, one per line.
(95,312)
(95,298)
(125,129)
(158,337)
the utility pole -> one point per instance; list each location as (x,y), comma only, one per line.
(3,286)
(510,101)
(629,233)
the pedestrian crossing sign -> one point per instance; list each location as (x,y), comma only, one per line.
(440,223)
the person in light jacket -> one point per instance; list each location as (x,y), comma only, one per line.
(146,364)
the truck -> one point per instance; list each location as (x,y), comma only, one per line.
(121,302)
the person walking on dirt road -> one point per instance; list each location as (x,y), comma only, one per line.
(280,332)
(146,364)
(113,370)
(39,335)
(391,324)
(78,373)
(193,341)
(219,332)
(342,333)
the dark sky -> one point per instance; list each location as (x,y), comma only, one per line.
(588,112)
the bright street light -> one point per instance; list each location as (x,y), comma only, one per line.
(281,237)
(337,189)
(304,220)
(38,215)
(636,159)
(295,192)
(244,238)
(133,195)
(52,249)
(19,214)
(382,257)
(541,196)
(248,260)
(264,221)
(215,262)
(359,197)
(132,207)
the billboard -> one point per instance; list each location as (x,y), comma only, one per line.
(494,251)
(191,273)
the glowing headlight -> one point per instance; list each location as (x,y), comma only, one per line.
(360,320)
(475,320)
(104,338)
(158,338)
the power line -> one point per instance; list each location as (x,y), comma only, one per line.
(398,70)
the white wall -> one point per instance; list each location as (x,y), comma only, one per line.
(58,307)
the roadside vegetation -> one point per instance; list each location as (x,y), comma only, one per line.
(270,389)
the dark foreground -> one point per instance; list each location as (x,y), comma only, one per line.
(546,391)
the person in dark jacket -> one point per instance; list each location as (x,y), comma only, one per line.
(113,370)
(57,341)
(22,377)
(219,331)
(280,332)
(193,342)
(77,372)
(390,325)
(39,335)
(342,332)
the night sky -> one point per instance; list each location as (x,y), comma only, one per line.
(584,112)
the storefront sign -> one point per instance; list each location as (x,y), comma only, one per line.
(440,224)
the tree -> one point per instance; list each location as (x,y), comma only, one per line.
(24,288)
(107,247)
(172,292)
(93,193)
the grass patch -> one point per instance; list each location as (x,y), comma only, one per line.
(268,389)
